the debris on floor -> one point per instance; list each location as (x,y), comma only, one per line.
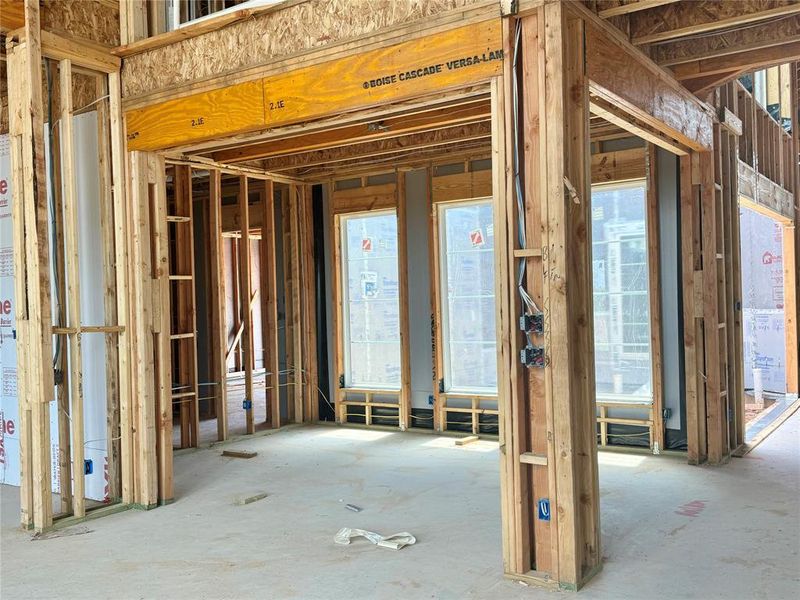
(467,440)
(353,507)
(49,535)
(394,541)
(239,453)
(243,499)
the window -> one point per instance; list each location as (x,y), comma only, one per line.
(621,292)
(466,235)
(370,300)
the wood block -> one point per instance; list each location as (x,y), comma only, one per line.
(467,440)
(239,453)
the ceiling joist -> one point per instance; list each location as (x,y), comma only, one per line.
(615,8)
(683,19)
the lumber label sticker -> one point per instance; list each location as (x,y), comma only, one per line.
(236,108)
(448,60)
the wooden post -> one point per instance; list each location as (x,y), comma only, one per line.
(112,342)
(294,308)
(269,295)
(555,179)
(69,181)
(122,226)
(246,286)
(309,297)
(162,345)
(402,266)
(692,315)
(219,368)
(32,268)
(654,293)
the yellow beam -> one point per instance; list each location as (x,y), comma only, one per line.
(448,60)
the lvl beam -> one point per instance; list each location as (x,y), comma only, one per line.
(405,70)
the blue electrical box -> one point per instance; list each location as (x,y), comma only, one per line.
(247,404)
(544,509)
(87,467)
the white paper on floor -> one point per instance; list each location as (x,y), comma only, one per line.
(394,541)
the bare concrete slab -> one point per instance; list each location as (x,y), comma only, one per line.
(669,530)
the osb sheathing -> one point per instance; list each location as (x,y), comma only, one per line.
(272,36)
(92,20)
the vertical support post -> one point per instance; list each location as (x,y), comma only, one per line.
(703,177)
(691,274)
(121,245)
(162,345)
(112,342)
(246,286)
(538,381)
(654,293)
(32,263)
(140,288)
(336,295)
(309,298)
(219,369)
(269,296)
(73,288)
(295,322)
(554,150)
(62,388)
(439,416)
(402,259)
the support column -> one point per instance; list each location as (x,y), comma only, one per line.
(548,442)
(32,268)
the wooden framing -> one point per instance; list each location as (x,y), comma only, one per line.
(269,310)
(218,341)
(571,64)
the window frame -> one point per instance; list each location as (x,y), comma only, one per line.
(344,296)
(443,297)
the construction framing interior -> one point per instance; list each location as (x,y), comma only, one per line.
(228,183)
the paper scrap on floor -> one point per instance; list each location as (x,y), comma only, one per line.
(394,541)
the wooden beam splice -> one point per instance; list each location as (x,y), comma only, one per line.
(69,181)
(246,285)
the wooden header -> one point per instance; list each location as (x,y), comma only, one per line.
(447,60)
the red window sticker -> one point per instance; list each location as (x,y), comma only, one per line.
(366,245)
(476,237)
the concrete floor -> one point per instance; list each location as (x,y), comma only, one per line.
(739,540)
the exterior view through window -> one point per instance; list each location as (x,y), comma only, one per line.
(371,301)
(621,300)
(466,236)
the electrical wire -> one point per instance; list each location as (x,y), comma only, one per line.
(530,307)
